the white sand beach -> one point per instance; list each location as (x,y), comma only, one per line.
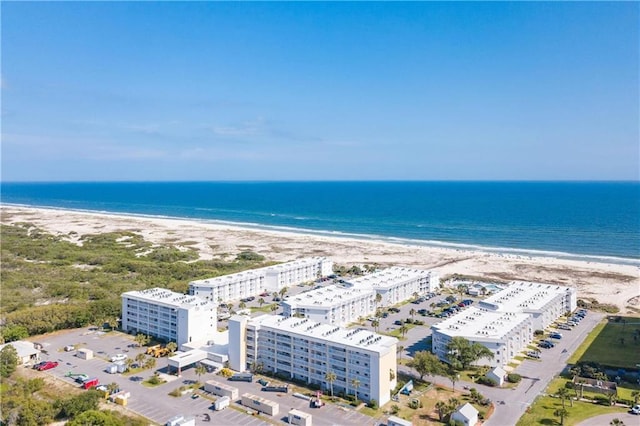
(607,282)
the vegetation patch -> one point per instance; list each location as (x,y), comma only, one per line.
(614,342)
(44,290)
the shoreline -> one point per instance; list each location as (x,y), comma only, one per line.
(505,251)
(606,281)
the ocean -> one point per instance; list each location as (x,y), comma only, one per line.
(599,220)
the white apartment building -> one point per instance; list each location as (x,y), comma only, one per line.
(307,350)
(503,333)
(268,279)
(397,284)
(505,322)
(332,304)
(544,302)
(167,315)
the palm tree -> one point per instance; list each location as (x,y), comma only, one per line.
(112,387)
(616,422)
(453,403)
(564,394)
(635,395)
(416,295)
(142,339)
(356,384)
(242,305)
(412,312)
(403,330)
(375,324)
(275,295)
(200,370)
(378,299)
(330,377)
(129,362)
(441,408)
(274,307)
(283,291)
(140,357)
(261,302)
(562,413)
(150,363)
(400,349)
(172,347)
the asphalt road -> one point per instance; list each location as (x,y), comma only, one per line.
(536,376)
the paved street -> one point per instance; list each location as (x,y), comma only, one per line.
(536,375)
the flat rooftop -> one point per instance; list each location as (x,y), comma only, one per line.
(256,273)
(481,324)
(389,277)
(162,296)
(520,295)
(306,328)
(328,297)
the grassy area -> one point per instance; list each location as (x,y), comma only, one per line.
(396,333)
(611,343)
(541,411)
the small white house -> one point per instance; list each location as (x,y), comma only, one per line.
(497,374)
(27,351)
(467,414)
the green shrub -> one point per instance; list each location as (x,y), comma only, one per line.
(373,404)
(538,333)
(514,378)
(484,380)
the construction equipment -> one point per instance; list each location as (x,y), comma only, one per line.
(151,349)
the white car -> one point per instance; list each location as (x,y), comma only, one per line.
(118,357)
(635,410)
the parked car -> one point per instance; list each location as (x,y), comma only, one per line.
(398,322)
(635,410)
(385,314)
(564,327)
(555,336)
(422,312)
(118,357)
(37,365)
(533,354)
(47,365)
(546,345)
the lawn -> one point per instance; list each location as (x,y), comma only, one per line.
(541,411)
(611,343)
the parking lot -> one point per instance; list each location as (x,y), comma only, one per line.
(155,403)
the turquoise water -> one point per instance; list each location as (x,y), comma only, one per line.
(595,219)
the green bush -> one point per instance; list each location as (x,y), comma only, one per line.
(484,380)
(514,378)
(601,399)
(538,333)
(373,404)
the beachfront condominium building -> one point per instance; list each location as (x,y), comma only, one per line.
(268,279)
(169,316)
(307,350)
(503,333)
(544,302)
(505,322)
(397,284)
(332,304)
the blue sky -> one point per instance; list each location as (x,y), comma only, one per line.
(320,91)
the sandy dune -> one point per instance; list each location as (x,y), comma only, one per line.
(608,283)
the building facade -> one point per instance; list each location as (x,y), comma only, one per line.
(505,322)
(170,316)
(503,333)
(397,284)
(268,279)
(306,350)
(332,304)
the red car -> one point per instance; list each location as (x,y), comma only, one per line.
(47,365)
